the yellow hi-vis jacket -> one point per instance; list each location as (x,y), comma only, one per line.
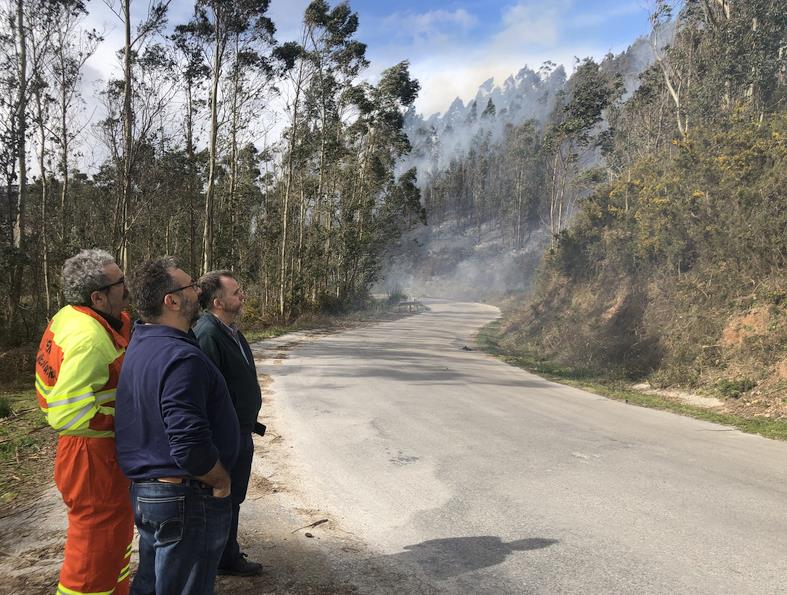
(77,370)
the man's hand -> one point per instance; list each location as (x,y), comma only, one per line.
(218,479)
(221,492)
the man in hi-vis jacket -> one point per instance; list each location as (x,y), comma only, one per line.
(77,370)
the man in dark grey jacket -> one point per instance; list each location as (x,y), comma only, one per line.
(222,299)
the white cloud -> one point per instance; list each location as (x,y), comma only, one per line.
(429,23)
(525,25)
(413,33)
(596,18)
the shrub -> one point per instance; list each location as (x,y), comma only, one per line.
(5,407)
(396,295)
(734,388)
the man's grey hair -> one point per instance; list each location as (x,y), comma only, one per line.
(83,274)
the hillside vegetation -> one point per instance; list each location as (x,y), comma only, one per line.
(674,267)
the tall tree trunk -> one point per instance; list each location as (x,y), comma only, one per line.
(301,223)
(127,140)
(288,190)
(519,190)
(40,116)
(207,233)
(234,155)
(21,125)
(64,164)
(191,185)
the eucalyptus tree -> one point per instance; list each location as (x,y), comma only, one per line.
(8,137)
(73,45)
(41,25)
(152,24)
(523,167)
(336,58)
(378,140)
(194,73)
(27,41)
(572,133)
(155,87)
(19,35)
(720,55)
(238,32)
(324,63)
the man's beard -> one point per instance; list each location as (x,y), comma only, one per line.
(235,311)
(191,310)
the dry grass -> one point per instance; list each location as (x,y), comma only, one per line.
(27,447)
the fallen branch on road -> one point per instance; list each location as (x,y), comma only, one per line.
(311,526)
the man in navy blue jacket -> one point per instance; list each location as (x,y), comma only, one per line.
(177,435)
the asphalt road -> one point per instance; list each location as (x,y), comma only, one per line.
(466,475)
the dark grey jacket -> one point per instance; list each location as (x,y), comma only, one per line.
(241,375)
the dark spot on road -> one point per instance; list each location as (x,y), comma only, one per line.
(403,459)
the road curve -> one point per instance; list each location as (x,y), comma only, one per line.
(466,475)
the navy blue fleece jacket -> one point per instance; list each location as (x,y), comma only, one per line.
(173,413)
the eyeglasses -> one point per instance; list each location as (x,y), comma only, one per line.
(193,284)
(120,281)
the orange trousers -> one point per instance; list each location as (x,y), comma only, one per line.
(100,519)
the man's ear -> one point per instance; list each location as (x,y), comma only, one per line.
(169,301)
(97,298)
(216,304)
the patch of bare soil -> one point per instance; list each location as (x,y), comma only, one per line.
(681,396)
(31,544)
(739,328)
(25,475)
(758,403)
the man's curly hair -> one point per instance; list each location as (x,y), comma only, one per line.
(83,274)
(150,282)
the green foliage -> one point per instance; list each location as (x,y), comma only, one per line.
(734,388)
(396,295)
(686,236)
(5,407)
(304,222)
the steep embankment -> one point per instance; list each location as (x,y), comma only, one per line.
(676,274)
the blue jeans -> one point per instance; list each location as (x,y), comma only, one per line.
(182,531)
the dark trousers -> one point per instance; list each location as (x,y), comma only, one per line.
(240,483)
(182,531)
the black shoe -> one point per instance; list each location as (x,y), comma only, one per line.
(241,567)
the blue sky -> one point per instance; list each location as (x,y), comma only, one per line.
(452,45)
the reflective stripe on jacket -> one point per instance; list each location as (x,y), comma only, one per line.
(77,370)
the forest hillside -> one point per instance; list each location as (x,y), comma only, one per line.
(187,159)
(674,268)
(660,206)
